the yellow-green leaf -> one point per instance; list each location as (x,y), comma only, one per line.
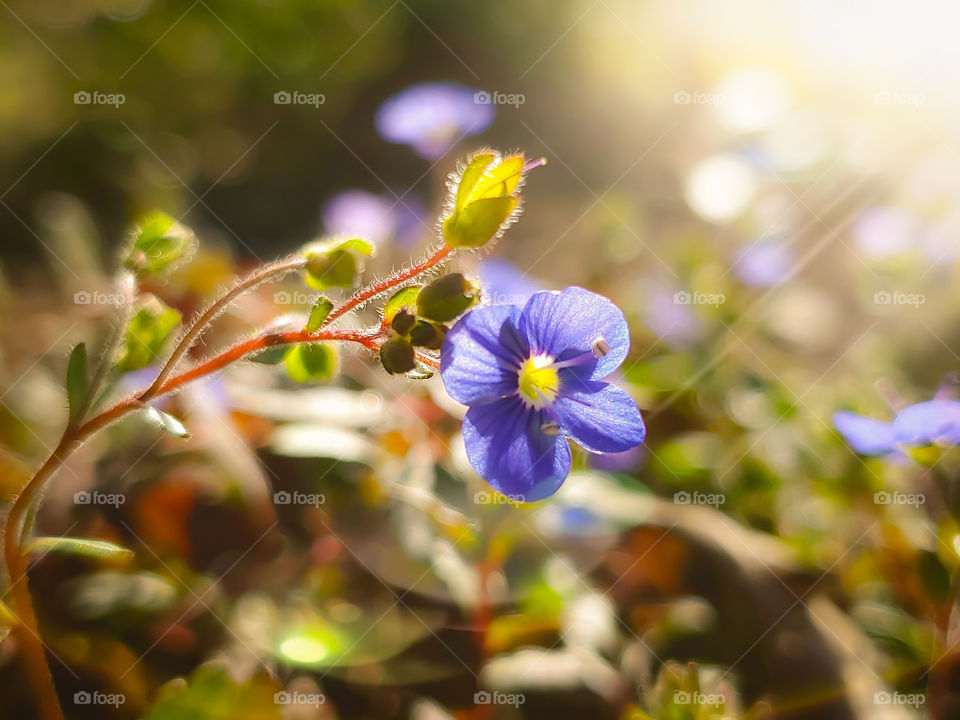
(79,546)
(318,313)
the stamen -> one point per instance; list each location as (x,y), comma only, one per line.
(600,347)
(550,428)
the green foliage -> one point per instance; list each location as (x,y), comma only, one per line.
(210,693)
(308,362)
(77,381)
(146,334)
(272,355)
(159,245)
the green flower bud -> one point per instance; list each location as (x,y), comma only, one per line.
(447,297)
(335,262)
(397,356)
(427,334)
(486,200)
(159,244)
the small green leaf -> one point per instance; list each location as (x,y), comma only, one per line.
(79,546)
(397,356)
(405,298)
(311,361)
(478,222)
(159,245)
(77,381)
(447,297)
(166,422)
(272,355)
(146,334)
(321,308)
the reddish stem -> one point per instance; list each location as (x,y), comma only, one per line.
(371,291)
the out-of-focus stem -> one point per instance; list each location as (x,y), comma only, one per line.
(27,631)
(262,275)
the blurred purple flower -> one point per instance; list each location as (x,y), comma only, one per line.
(764,264)
(504,283)
(882,232)
(432,116)
(673,322)
(935,422)
(377,218)
(357,212)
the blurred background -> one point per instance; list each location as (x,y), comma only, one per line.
(770,191)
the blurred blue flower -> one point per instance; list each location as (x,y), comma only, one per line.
(504,283)
(935,422)
(432,116)
(377,218)
(530,375)
(764,264)
(357,212)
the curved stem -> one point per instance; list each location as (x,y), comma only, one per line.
(267,272)
(27,631)
(374,289)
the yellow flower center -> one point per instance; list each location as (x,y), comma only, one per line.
(538,381)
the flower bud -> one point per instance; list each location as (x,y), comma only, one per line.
(159,245)
(447,297)
(402,321)
(397,356)
(427,334)
(335,262)
(486,200)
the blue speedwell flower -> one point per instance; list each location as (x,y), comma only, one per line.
(432,116)
(531,377)
(936,422)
